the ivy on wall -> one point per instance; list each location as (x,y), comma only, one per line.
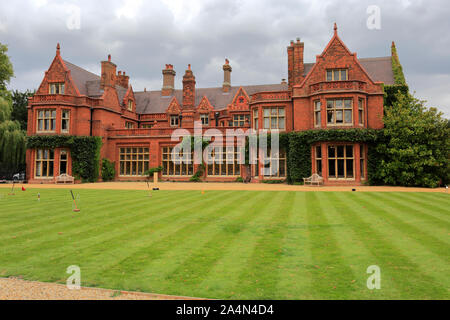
(299,155)
(84,150)
(297,146)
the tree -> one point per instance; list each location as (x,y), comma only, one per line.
(19,107)
(12,137)
(6,69)
(414,146)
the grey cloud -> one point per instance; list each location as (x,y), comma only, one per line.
(252,34)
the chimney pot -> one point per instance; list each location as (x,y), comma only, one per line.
(226,76)
(109,57)
(168,80)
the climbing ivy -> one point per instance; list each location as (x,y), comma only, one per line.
(84,150)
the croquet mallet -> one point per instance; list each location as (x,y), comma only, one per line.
(74,202)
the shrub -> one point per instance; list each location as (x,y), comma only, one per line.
(108,170)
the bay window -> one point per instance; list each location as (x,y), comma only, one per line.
(339,111)
(274,118)
(46,120)
(44,163)
(317,117)
(340,162)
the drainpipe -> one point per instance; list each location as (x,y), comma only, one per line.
(90,122)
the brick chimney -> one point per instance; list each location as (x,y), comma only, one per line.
(108,74)
(188,88)
(226,76)
(295,62)
(168,80)
(122,79)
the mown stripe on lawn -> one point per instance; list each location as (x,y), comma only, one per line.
(441,199)
(105,234)
(402,272)
(259,277)
(223,278)
(56,216)
(399,220)
(197,265)
(89,217)
(152,262)
(295,281)
(329,271)
(354,254)
(425,211)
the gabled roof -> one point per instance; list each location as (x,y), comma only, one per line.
(88,83)
(153,102)
(81,76)
(379,69)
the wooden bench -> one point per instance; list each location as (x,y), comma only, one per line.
(315,179)
(64,178)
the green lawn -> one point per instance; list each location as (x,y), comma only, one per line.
(232,244)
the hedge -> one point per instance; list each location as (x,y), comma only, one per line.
(84,150)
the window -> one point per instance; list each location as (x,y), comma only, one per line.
(129,125)
(337,75)
(340,111)
(44,163)
(317,118)
(133,161)
(224,161)
(130,105)
(275,165)
(63,162)
(65,119)
(146,126)
(319,160)
(239,120)
(174,121)
(46,120)
(241,100)
(56,88)
(340,162)
(255,119)
(274,118)
(362,156)
(361,111)
(183,166)
(204,117)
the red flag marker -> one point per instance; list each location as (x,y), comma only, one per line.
(23,189)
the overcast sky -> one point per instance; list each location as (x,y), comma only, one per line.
(142,36)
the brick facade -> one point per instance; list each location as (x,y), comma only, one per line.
(337,91)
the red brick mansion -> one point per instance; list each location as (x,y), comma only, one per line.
(339,90)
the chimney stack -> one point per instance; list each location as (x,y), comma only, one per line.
(122,79)
(108,78)
(168,80)
(226,76)
(295,63)
(188,88)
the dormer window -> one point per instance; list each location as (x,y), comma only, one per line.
(174,121)
(337,75)
(204,117)
(130,105)
(56,88)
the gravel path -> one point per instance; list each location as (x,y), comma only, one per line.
(17,289)
(220,186)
